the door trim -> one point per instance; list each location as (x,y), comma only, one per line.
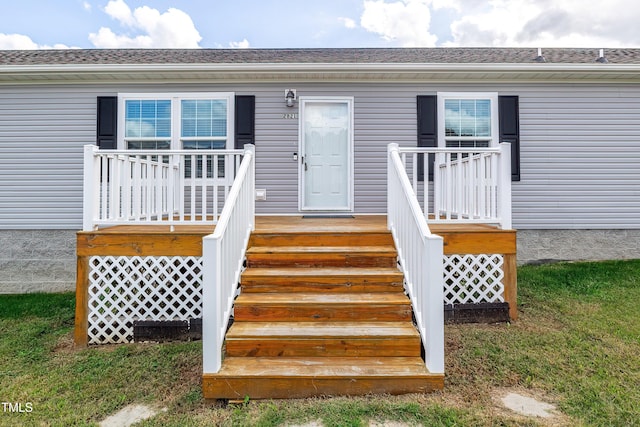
(303,101)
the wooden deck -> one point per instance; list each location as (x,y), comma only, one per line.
(322,308)
(144,240)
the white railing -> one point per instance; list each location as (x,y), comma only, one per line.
(156,186)
(223,254)
(420,254)
(470,185)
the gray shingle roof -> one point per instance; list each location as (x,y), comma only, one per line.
(317,56)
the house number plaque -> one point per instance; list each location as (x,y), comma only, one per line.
(290,116)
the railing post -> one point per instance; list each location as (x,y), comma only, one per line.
(250,150)
(434,317)
(391,148)
(212,310)
(90,187)
(505,186)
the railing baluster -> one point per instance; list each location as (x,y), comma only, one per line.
(215,188)
(104,188)
(205,178)
(425,184)
(148,188)
(182,170)
(449,188)
(482,187)
(158,171)
(414,173)
(471,188)
(192,194)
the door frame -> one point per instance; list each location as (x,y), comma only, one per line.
(303,101)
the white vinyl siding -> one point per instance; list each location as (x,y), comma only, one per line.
(42,131)
(580,151)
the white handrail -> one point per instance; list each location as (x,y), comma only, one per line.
(223,254)
(156,186)
(470,185)
(420,254)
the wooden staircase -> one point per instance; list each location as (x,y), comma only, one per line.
(321,313)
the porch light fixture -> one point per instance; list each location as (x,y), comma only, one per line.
(290,97)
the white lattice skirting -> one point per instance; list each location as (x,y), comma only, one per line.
(470,279)
(124,289)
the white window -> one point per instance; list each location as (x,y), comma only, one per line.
(176,121)
(467,119)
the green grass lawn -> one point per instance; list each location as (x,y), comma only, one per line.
(576,344)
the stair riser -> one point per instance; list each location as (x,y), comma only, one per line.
(320,285)
(296,388)
(321,239)
(321,260)
(324,347)
(333,312)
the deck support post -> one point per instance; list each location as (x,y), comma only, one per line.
(80,333)
(511,284)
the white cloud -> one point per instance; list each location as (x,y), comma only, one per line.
(531,23)
(22,42)
(86,5)
(120,11)
(244,44)
(404,22)
(348,22)
(171,29)
(17,41)
(570,23)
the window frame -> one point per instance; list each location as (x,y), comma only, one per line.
(442,138)
(176,99)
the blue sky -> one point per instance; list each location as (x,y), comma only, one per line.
(317,23)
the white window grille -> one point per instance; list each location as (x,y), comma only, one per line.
(467,120)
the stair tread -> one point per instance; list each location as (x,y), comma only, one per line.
(321,249)
(303,298)
(321,271)
(318,367)
(314,330)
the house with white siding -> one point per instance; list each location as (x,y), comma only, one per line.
(155,181)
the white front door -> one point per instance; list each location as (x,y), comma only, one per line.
(326,166)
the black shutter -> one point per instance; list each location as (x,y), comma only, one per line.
(107,125)
(245,117)
(427,129)
(508,111)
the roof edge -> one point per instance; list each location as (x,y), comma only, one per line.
(347,72)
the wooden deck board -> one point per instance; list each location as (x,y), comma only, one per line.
(347,272)
(314,339)
(296,224)
(257,299)
(321,249)
(322,329)
(317,367)
(285,377)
